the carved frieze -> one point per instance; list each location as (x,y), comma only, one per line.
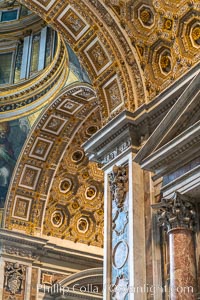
(20,252)
(120,148)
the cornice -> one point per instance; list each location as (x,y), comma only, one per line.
(176,140)
(131,129)
(183,147)
(20,26)
(188,183)
(32,247)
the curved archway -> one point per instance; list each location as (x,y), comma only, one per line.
(53,173)
(103,47)
(94,275)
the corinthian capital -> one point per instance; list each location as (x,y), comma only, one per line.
(177,212)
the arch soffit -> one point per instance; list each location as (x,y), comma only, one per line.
(41,156)
(103,48)
(93,276)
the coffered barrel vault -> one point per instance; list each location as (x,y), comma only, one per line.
(56,190)
(102,46)
(132,50)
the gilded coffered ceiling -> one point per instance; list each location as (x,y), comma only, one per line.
(132,50)
(55,189)
(75,207)
(103,48)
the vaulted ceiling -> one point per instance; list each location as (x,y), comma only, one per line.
(55,190)
(132,50)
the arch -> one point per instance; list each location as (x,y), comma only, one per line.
(85,284)
(103,47)
(29,204)
(94,275)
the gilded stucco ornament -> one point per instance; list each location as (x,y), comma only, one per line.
(168,23)
(118,184)
(57,218)
(101,46)
(90,192)
(196,34)
(121,26)
(146,16)
(65,185)
(165,62)
(83,225)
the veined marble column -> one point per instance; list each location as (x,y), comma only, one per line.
(178,217)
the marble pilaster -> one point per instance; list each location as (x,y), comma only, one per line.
(114,146)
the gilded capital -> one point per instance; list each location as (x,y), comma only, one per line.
(177,212)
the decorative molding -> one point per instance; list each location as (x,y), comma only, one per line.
(37,247)
(68,106)
(22,207)
(54,124)
(41,148)
(72,21)
(29,177)
(113,153)
(113,139)
(185,147)
(174,135)
(120,254)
